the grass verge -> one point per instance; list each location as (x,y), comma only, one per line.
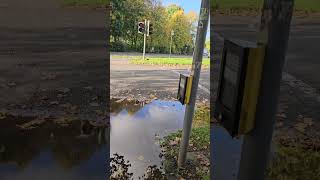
(169,61)
(198,158)
(294,163)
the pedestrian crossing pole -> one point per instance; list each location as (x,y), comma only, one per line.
(274,31)
(144,39)
(195,74)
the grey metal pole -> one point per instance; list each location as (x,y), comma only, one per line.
(171,43)
(144,39)
(275,28)
(195,72)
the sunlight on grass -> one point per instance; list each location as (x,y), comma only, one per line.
(169,61)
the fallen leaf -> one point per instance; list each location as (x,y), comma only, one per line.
(48,76)
(11,84)
(308,121)
(98,112)
(2,115)
(141,158)
(94,104)
(73,108)
(54,103)
(31,124)
(121,100)
(279,124)
(88,88)
(301,127)
(282,115)
(61,95)
(178,139)
(44,98)
(64,90)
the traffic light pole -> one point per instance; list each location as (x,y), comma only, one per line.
(172,33)
(275,28)
(195,73)
(144,40)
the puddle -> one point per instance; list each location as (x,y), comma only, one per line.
(226,153)
(135,128)
(64,149)
(70,149)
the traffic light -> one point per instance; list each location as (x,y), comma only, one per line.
(141,27)
(150,29)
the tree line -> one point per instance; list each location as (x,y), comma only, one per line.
(125,15)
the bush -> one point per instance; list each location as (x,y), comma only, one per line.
(118,46)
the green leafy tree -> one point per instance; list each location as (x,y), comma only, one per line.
(126,14)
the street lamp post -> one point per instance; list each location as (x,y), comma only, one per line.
(172,33)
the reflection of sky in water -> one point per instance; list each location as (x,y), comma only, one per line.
(45,167)
(226,152)
(51,152)
(134,135)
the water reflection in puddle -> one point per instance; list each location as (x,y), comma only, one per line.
(134,129)
(51,150)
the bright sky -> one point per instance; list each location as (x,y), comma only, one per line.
(187,5)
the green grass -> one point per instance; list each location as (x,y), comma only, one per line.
(200,140)
(169,61)
(93,3)
(294,163)
(201,116)
(304,5)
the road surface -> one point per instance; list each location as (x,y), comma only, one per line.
(45,47)
(145,81)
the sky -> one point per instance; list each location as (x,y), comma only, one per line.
(188,5)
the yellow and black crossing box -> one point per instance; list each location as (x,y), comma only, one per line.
(184,89)
(239,85)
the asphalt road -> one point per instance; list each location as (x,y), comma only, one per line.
(145,81)
(302,60)
(45,47)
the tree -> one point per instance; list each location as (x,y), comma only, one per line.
(126,14)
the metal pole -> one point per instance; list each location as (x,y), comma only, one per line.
(275,28)
(195,72)
(144,39)
(171,42)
